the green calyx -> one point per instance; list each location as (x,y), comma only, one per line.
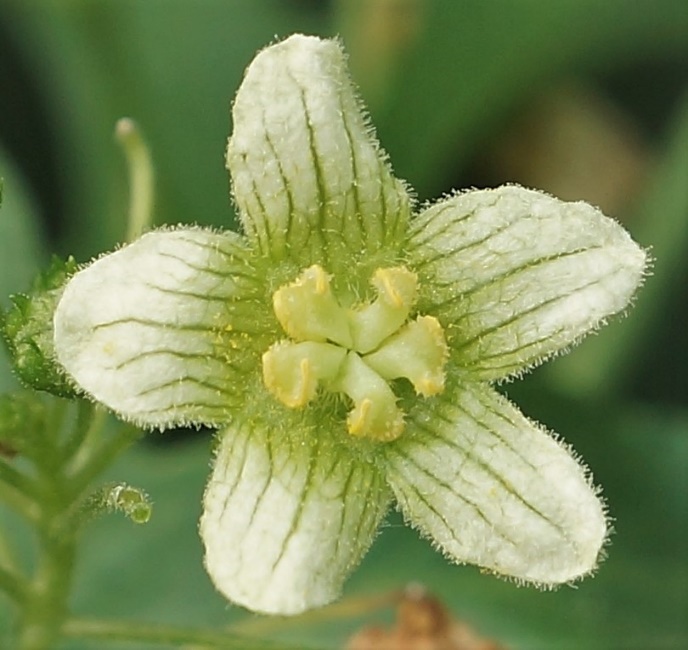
(27,330)
(356,351)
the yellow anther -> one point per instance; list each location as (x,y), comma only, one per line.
(370,422)
(355,351)
(418,351)
(390,290)
(397,287)
(322,280)
(371,324)
(308,311)
(307,380)
(430,384)
(293,386)
(291,371)
(358,419)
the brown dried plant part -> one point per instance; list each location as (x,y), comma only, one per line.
(423,623)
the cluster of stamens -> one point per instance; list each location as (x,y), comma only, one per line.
(356,351)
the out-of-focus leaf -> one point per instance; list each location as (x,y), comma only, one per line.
(174,67)
(477,59)
(21,248)
(607,360)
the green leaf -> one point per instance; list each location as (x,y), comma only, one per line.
(478,61)
(604,363)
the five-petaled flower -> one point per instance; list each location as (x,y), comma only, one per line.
(345,351)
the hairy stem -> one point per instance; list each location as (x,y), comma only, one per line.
(45,602)
(55,493)
(88,421)
(94,458)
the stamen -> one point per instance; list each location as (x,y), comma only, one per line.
(372,324)
(292,371)
(308,311)
(375,413)
(417,352)
(355,351)
(397,286)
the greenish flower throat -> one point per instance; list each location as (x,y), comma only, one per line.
(356,351)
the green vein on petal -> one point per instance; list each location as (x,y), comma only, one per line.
(164,331)
(517,276)
(285,520)
(307,173)
(493,489)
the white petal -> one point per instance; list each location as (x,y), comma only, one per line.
(157,331)
(519,275)
(307,171)
(492,489)
(286,520)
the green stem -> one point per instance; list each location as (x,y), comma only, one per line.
(18,502)
(18,491)
(98,458)
(58,488)
(14,478)
(89,420)
(138,633)
(90,439)
(346,608)
(45,602)
(8,560)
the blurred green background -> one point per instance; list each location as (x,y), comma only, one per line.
(587,99)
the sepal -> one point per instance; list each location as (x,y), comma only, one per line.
(27,329)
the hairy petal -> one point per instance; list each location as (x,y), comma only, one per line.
(286,518)
(308,174)
(517,275)
(493,489)
(163,330)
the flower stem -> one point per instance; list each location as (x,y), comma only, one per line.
(89,421)
(18,491)
(97,457)
(15,479)
(45,599)
(137,633)
(55,495)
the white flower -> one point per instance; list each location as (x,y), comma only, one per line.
(345,350)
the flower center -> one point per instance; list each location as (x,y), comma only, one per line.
(356,351)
